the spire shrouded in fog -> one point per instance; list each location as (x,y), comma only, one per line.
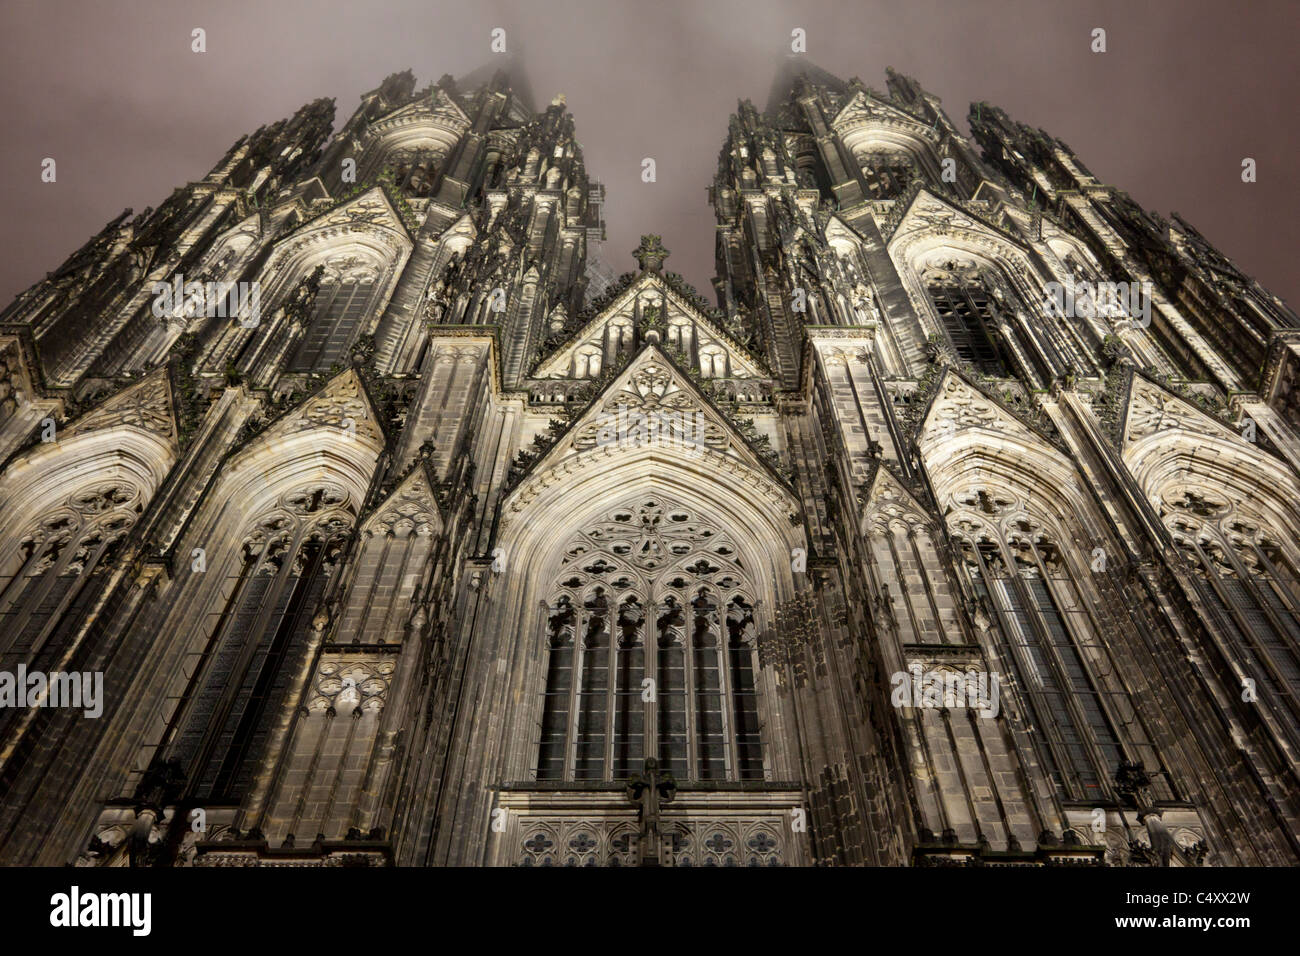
(403,522)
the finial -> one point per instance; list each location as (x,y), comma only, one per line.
(651,253)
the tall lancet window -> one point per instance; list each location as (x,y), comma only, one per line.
(237,692)
(1250,580)
(650,652)
(968,312)
(342,306)
(1021,577)
(54,559)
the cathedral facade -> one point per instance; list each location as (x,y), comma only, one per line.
(351,515)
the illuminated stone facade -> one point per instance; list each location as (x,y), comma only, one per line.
(420,557)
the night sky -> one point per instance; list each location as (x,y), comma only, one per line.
(1185,90)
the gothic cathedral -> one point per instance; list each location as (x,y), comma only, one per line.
(352,512)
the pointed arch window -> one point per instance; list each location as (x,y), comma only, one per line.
(969,316)
(234,697)
(650,652)
(342,305)
(1022,578)
(55,558)
(1250,580)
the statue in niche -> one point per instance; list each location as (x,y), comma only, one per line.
(560,624)
(421,181)
(630,617)
(597,621)
(670,622)
(451,275)
(706,619)
(301,301)
(734,325)
(864,306)
(740,623)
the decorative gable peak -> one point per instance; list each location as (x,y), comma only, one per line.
(342,404)
(437,106)
(887,503)
(958,405)
(411,508)
(652,405)
(861,109)
(1153,408)
(649,311)
(448,108)
(651,392)
(369,208)
(146,405)
(927,211)
(650,254)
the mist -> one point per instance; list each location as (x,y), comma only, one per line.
(1185,91)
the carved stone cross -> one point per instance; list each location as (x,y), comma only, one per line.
(648,790)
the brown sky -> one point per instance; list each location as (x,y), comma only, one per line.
(1185,91)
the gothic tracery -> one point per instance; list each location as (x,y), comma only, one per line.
(470,551)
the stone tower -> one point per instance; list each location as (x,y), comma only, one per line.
(340,524)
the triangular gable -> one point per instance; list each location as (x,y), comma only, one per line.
(449,108)
(1152,408)
(593,333)
(888,499)
(959,404)
(837,230)
(861,108)
(438,106)
(148,405)
(928,211)
(653,401)
(410,507)
(342,403)
(369,208)
(558,364)
(462,227)
(252,225)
